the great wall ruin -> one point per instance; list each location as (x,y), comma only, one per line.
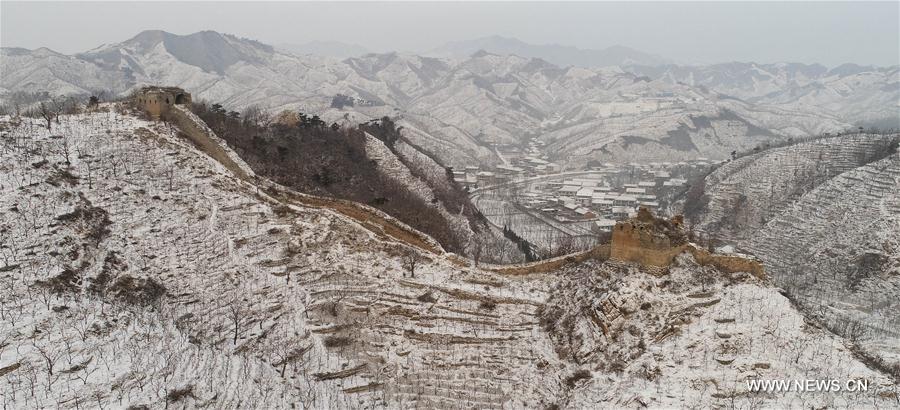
(647,240)
(655,242)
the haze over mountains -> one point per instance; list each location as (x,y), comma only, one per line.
(460,106)
(556,54)
(334,49)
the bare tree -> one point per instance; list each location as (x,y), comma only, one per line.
(89,174)
(50,357)
(565,246)
(256,116)
(170,176)
(410,261)
(65,148)
(236,313)
(476,249)
(502,249)
(46,113)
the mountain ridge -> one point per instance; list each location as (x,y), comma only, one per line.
(460,108)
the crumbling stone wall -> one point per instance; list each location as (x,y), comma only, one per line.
(655,242)
(640,244)
(728,263)
(201,136)
(648,240)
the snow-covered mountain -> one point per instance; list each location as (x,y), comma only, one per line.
(857,94)
(458,107)
(141,271)
(823,216)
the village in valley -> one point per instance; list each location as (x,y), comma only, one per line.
(556,207)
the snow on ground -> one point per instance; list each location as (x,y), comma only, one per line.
(838,250)
(138,271)
(433,177)
(693,338)
(746,193)
(189,249)
(91,244)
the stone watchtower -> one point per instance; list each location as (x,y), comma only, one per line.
(157,100)
(655,242)
(648,240)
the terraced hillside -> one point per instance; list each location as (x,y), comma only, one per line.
(433,341)
(162,246)
(139,271)
(823,217)
(694,337)
(838,250)
(741,196)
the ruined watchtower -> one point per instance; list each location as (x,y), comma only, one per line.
(648,240)
(157,100)
(655,242)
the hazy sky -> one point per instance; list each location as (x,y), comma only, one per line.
(829,33)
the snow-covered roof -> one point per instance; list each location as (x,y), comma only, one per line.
(622,209)
(675,182)
(509,168)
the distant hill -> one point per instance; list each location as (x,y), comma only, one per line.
(556,54)
(334,49)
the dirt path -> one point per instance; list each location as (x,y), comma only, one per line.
(369,219)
